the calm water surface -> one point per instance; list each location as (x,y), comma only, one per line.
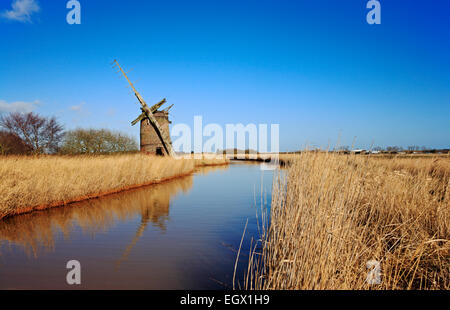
(182,234)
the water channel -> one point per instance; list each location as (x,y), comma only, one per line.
(181,234)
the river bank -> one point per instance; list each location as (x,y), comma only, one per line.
(37,183)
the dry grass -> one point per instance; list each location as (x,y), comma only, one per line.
(332,214)
(29,183)
(210,160)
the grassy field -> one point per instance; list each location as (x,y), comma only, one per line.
(332,214)
(33,183)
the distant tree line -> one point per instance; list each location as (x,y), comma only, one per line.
(390,149)
(401,149)
(30,133)
(96,141)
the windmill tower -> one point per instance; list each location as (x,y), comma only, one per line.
(155,135)
(150,140)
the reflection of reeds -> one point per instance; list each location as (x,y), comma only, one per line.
(37,229)
(34,183)
(332,214)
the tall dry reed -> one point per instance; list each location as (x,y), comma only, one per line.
(27,183)
(332,214)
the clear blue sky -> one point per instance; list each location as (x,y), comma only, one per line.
(315,67)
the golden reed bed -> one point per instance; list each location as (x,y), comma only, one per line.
(332,214)
(36,183)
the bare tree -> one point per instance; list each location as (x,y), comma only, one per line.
(413,148)
(377,149)
(394,149)
(12,144)
(42,134)
(343,148)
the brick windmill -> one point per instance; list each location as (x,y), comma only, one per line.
(155,136)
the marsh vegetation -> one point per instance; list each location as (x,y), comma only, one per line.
(332,214)
(30,183)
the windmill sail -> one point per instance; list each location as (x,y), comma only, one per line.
(147,113)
